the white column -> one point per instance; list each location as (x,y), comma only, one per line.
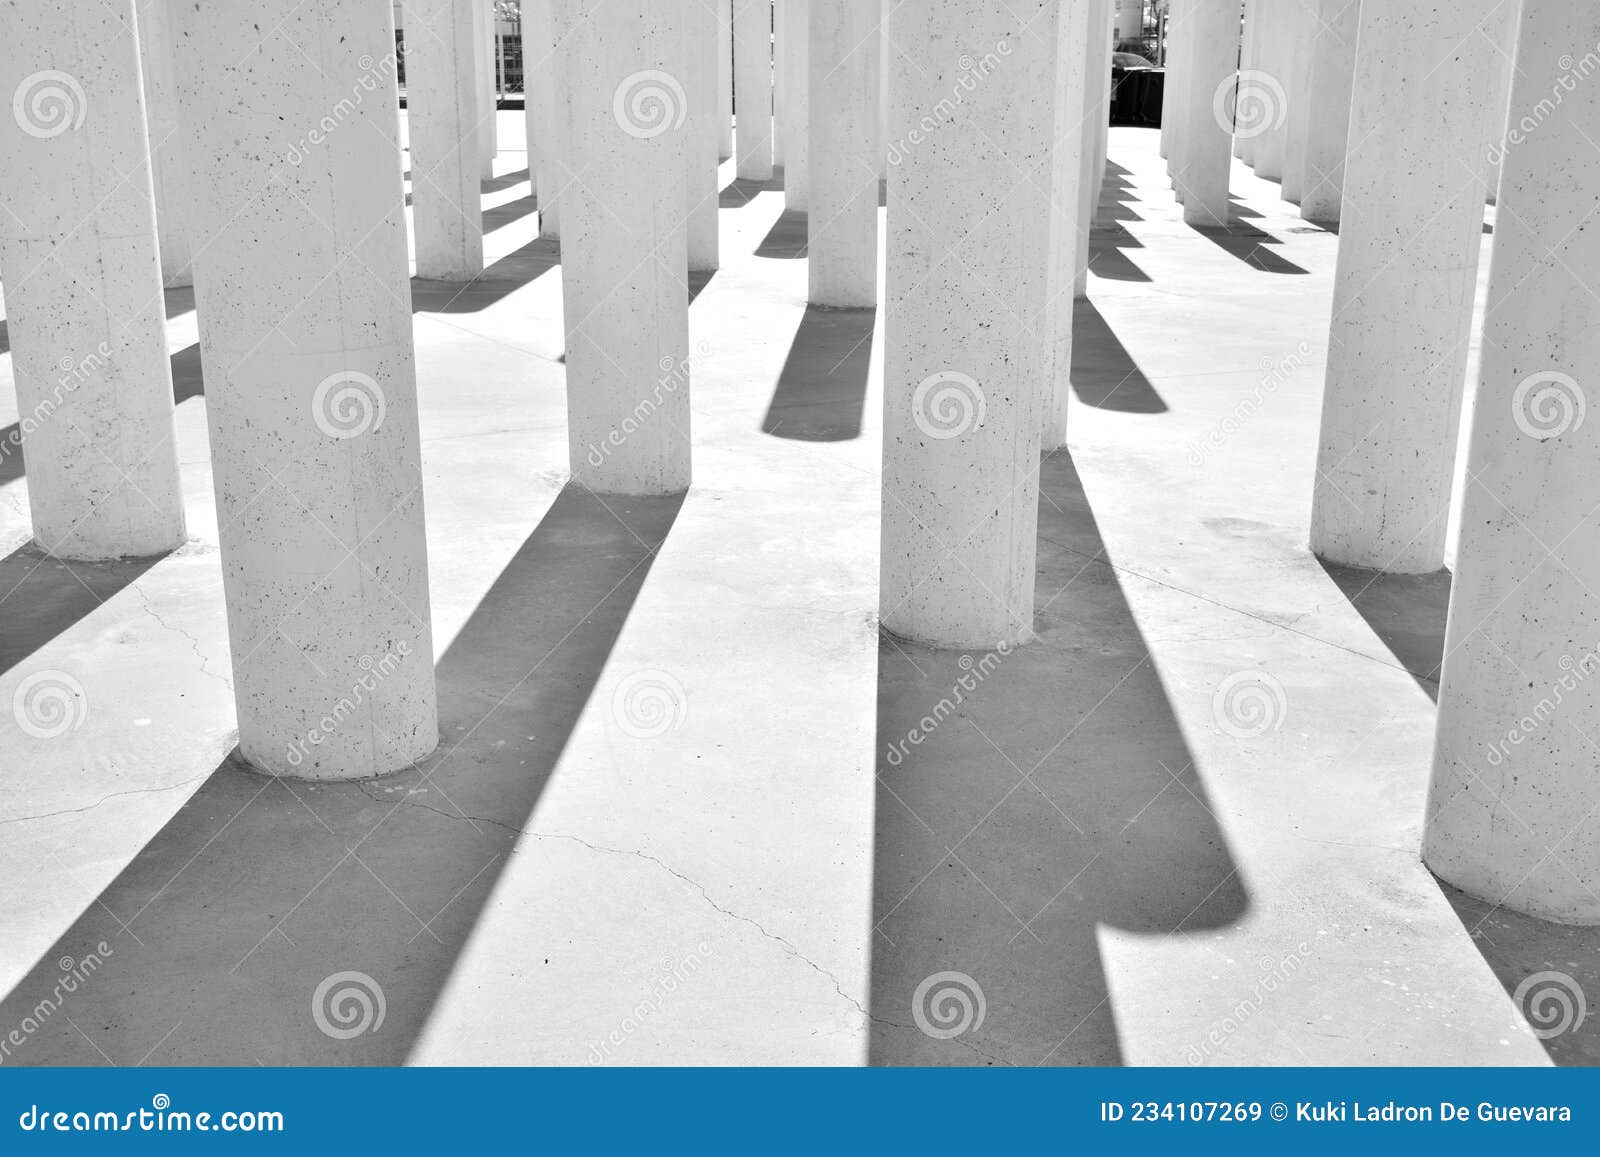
(1303,27)
(1243,148)
(1103,121)
(483,39)
(83,284)
(752,68)
(1066,208)
(1096,85)
(796,98)
(1265,94)
(552,174)
(627,314)
(1333,60)
(442,108)
(843,217)
(166,143)
(1174,90)
(1207,152)
(778,82)
(1514,798)
(1505,39)
(885,50)
(724,79)
(965,361)
(305,326)
(699,24)
(1403,289)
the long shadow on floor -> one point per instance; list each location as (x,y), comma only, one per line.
(1024,801)
(739,192)
(498,281)
(1250,245)
(41,596)
(1108,237)
(1104,374)
(502,215)
(259,890)
(824,379)
(787,237)
(1406,611)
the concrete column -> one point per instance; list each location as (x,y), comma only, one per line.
(83,284)
(1264,95)
(627,314)
(1505,39)
(1402,304)
(752,69)
(1303,27)
(443,109)
(1096,86)
(552,174)
(305,326)
(885,49)
(1243,147)
(796,98)
(966,362)
(1066,208)
(1103,121)
(1333,59)
(1174,89)
(483,40)
(166,142)
(843,223)
(1207,153)
(1514,798)
(778,82)
(702,139)
(724,79)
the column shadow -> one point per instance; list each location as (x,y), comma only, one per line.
(502,215)
(787,237)
(42,596)
(1104,374)
(740,191)
(1024,801)
(823,384)
(498,280)
(259,889)
(1406,611)
(1250,245)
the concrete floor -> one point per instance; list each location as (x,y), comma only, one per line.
(1126,879)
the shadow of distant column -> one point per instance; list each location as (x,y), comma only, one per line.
(1406,611)
(786,240)
(1104,374)
(1024,800)
(258,890)
(41,596)
(824,380)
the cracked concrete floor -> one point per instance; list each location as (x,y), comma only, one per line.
(1123,879)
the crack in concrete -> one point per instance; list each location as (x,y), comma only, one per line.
(113,795)
(194,643)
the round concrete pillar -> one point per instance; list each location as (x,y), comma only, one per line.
(166,142)
(550,173)
(701,134)
(483,44)
(724,79)
(1265,93)
(623,244)
(752,68)
(796,101)
(966,353)
(1096,90)
(1333,59)
(83,284)
(1174,90)
(305,326)
(1207,152)
(1514,804)
(1066,205)
(843,140)
(1244,146)
(442,109)
(1303,27)
(1411,229)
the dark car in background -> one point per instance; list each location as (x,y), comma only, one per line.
(1136,86)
